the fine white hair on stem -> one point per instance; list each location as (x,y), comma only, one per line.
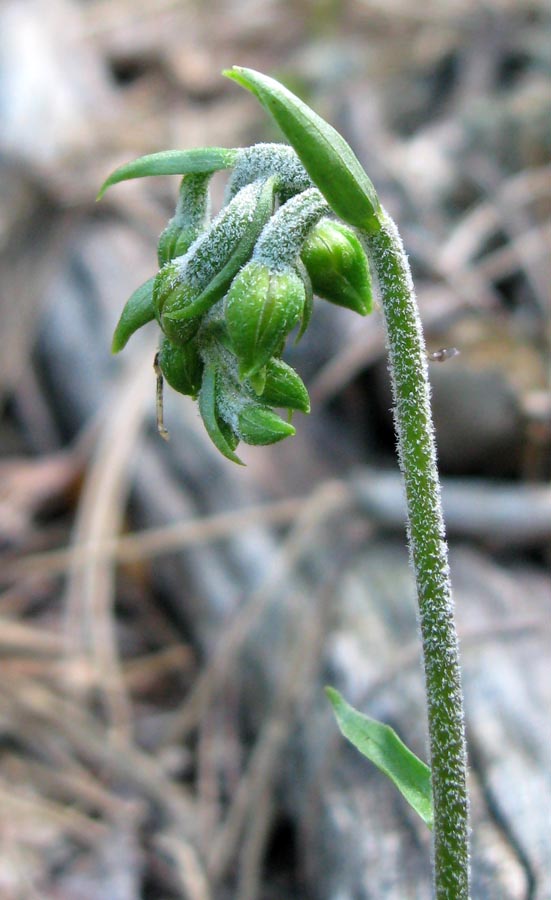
(429,557)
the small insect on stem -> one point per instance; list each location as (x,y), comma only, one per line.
(443,355)
(159,399)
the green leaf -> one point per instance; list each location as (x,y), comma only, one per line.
(380,744)
(216,430)
(326,156)
(138,311)
(173,162)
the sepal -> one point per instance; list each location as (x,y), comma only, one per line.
(222,436)
(308,299)
(284,387)
(258,425)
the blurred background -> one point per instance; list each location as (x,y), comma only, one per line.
(168,620)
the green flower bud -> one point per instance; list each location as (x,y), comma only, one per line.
(182,367)
(284,387)
(262,307)
(338,267)
(220,432)
(177,332)
(189,286)
(139,310)
(189,220)
(259,425)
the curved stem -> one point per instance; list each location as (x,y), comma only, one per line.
(429,556)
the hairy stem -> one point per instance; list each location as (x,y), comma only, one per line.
(429,555)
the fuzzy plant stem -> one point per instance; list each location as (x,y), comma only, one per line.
(429,556)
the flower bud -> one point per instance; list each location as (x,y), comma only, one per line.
(177,332)
(182,367)
(189,220)
(193,283)
(262,307)
(259,425)
(284,387)
(138,310)
(338,267)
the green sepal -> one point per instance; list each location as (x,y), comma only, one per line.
(228,433)
(182,367)
(258,381)
(138,310)
(185,301)
(326,156)
(216,428)
(284,387)
(308,308)
(338,266)
(173,162)
(380,744)
(262,307)
(259,426)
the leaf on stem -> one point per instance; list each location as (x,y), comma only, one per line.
(329,160)
(173,162)
(380,744)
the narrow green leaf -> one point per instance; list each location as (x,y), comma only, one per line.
(380,744)
(173,162)
(326,156)
(207,408)
(138,311)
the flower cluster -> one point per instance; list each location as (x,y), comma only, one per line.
(230,291)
